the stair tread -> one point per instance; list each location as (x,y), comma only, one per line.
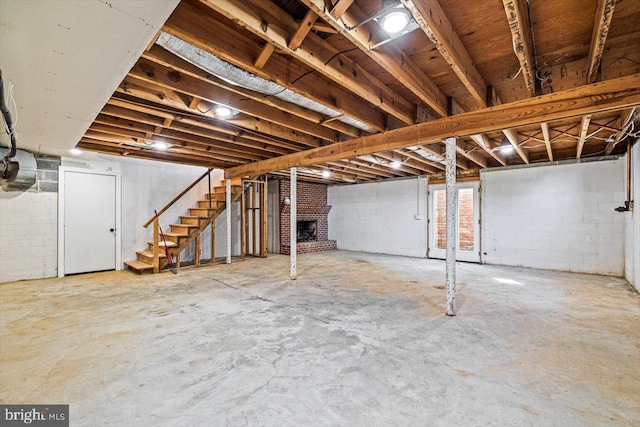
(139,265)
(161,244)
(185,225)
(171,233)
(190,216)
(150,254)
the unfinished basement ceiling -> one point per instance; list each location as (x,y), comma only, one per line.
(64,60)
(335,82)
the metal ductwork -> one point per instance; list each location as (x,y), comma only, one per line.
(23,177)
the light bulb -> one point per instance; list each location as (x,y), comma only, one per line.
(395,21)
(222,111)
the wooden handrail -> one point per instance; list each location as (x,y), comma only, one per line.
(175,199)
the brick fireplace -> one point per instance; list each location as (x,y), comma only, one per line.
(312,219)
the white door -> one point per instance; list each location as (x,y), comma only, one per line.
(89,221)
(468,238)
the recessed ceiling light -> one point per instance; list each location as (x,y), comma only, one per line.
(396,164)
(75,151)
(396,20)
(222,111)
(506,149)
(159,145)
(326,174)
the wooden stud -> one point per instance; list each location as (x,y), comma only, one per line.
(254,219)
(303,29)
(522,44)
(263,219)
(247,229)
(514,139)
(599,37)
(340,7)
(264,56)
(547,141)
(584,130)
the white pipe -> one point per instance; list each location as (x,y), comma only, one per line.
(452,226)
(293,227)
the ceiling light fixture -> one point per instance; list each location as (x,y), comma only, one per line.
(326,174)
(223,112)
(75,151)
(506,149)
(159,145)
(395,20)
(396,164)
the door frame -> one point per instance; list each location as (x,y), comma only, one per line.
(61,211)
(476,185)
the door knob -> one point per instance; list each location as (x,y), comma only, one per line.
(112,230)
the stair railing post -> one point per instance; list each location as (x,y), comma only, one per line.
(156,247)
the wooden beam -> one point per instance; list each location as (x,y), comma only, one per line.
(389,56)
(467,151)
(163,57)
(171,79)
(264,56)
(303,29)
(266,20)
(514,140)
(483,142)
(609,95)
(584,130)
(522,45)
(211,35)
(604,13)
(547,141)
(340,7)
(434,22)
(624,123)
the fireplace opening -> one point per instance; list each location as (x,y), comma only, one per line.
(307,231)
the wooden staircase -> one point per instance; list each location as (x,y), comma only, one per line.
(186,230)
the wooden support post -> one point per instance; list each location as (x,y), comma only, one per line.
(178,261)
(228,211)
(198,250)
(213,241)
(243,234)
(452,210)
(156,247)
(263,219)
(246,219)
(293,232)
(254,234)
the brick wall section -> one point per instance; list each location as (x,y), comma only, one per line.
(312,205)
(465,219)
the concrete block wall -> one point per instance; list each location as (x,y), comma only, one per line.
(632,225)
(558,217)
(29,226)
(380,217)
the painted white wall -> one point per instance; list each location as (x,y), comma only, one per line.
(29,235)
(558,217)
(380,217)
(149,185)
(632,225)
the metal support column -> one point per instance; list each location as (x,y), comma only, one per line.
(293,235)
(228,211)
(452,226)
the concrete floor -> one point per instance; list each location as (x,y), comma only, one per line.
(358,339)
